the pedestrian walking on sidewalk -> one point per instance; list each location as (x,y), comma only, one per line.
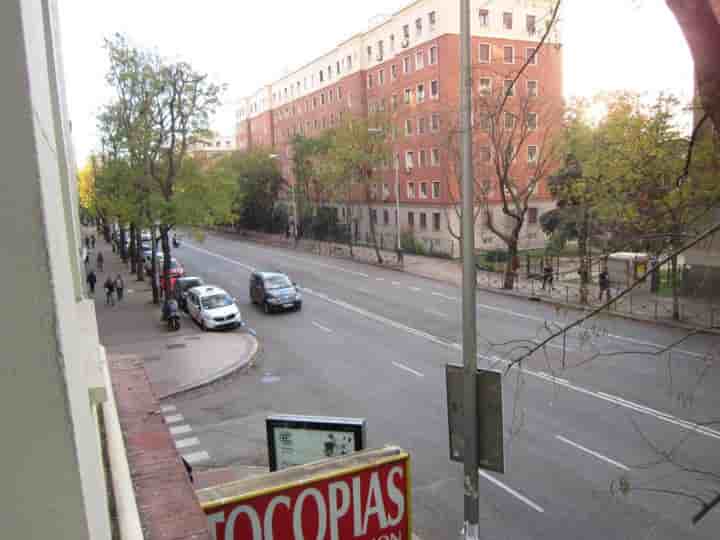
(92,241)
(100,261)
(604,283)
(87,242)
(91,280)
(119,287)
(110,291)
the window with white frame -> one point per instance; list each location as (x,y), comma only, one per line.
(507,20)
(407,96)
(406,65)
(435,157)
(508,87)
(485,122)
(433,55)
(509,120)
(485,155)
(484,53)
(484,17)
(532,153)
(435,122)
(485,86)
(369,80)
(532,88)
(436,190)
(420,59)
(337,69)
(434,89)
(393,72)
(392,43)
(411,190)
(380,50)
(423,190)
(381,77)
(531,55)
(348,62)
(373,191)
(423,220)
(422,125)
(411,218)
(530,24)
(406,31)
(532,121)
(436,221)
(408,127)
(418,27)
(339,93)
(420,93)
(422,158)
(509,54)
(409,159)
(532,216)
(386,216)
(386,192)
(432,19)
(394,102)
(322,98)
(369,53)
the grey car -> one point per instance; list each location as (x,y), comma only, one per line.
(182,286)
(274,292)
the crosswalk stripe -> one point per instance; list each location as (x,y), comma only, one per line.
(196,457)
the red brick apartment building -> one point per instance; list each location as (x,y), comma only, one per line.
(408,67)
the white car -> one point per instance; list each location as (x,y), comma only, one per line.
(213,308)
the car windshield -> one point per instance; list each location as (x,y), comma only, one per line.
(277,282)
(216,301)
(190,283)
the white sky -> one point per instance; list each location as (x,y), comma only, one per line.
(607,45)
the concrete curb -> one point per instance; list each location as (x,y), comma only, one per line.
(218,375)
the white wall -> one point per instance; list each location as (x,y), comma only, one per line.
(51,458)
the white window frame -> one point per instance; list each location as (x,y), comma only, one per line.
(407,96)
(485,90)
(484,17)
(406,62)
(435,161)
(420,92)
(512,22)
(411,190)
(439,221)
(533,115)
(423,188)
(435,95)
(489,58)
(409,160)
(537,88)
(408,127)
(512,48)
(536,58)
(530,158)
(381,77)
(430,58)
(434,128)
(419,55)
(435,192)
(505,88)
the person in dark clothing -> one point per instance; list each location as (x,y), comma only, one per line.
(119,287)
(547,276)
(92,241)
(100,261)
(91,280)
(604,283)
(110,291)
(87,242)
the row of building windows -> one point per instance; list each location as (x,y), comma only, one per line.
(485,55)
(485,85)
(433,155)
(378,52)
(421,58)
(485,153)
(508,20)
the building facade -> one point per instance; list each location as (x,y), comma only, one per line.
(407,68)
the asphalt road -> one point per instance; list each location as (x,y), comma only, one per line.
(608,407)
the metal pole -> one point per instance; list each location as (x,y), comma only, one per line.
(469,284)
(397,206)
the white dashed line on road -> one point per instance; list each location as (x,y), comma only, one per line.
(404,367)
(511,491)
(436,313)
(196,457)
(415,289)
(168,408)
(396,283)
(174,418)
(446,297)
(184,443)
(180,430)
(593,453)
(380,279)
(321,327)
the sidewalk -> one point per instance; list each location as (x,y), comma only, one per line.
(175,362)
(640,305)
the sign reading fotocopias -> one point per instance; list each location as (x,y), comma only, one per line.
(364,496)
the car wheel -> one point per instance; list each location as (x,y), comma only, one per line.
(298,307)
(266,308)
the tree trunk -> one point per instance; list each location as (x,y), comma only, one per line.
(123,249)
(675,292)
(133,249)
(584,262)
(154,269)
(511,264)
(139,262)
(372,234)
(165,239)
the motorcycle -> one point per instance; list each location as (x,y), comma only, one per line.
(171,314)
(174,322)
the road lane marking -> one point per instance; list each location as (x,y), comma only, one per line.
(227,259)
(174,418)
(168,408)
(511,491)
(415,289)
(321,327)
(311,261)
(196,457)
(593,453)
(396,283)
(691,426)
(184,443)
(436,313)
(411,370)
(380,279)
(446,297)
(180,430)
